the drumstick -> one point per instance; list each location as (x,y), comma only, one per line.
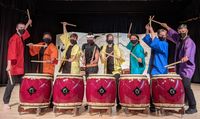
(9,74)
(157,22)
(84,57)
(93,54)
(108,55)
(37,45)
(29,17)
(129,31)
(38,61)
(71,24)
(173,64)
(130,52)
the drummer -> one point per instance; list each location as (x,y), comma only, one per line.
(47,54)
(90,55)
(159,53)
(185,52)
(159,50)
(72,52)
(15,58)
(137,56)
(112,58)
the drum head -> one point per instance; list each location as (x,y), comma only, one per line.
(37,76)
(133,76)
(68,75)
(166,76)
(101,76)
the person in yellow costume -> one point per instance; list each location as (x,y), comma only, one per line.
(112,58)
(70,61)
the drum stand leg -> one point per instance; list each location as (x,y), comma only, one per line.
(126,110)
(76,111)
(110,111)
(162,111)
(54,111)
(89,109)
(38,111)
(182,111)
(146,110)
(19,109)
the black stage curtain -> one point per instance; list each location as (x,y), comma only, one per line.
(13,11)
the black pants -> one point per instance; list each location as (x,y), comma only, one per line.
(117,76)
(9,88)
(189,96)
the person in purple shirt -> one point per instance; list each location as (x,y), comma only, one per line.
(185,52)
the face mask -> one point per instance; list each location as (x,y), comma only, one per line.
(91,42)
(134,41)
(162,38)
(109,41)
(182,35)
(47,40)
(73,42)
(21,31)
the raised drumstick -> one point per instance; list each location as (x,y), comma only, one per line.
(29,17)
(157,22)
(129,31)
(70,24)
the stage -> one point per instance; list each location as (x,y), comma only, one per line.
(13,113)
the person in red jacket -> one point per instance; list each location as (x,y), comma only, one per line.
(15,59)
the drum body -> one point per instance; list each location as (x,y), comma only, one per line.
(134,90)
(168,90)
(35,89)
(101,90)
(68,90)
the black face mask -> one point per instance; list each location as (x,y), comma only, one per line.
(134,41)
(73,42)
(21,31)
(47,40)
(91,42)
(182,35)
(162,38)
(109,41)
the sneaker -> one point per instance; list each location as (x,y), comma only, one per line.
(191,111)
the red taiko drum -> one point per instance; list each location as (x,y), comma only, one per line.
(101,90)
(35,89)
(68,90)
(134,90)
(168,90)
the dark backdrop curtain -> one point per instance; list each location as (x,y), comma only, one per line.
(86,22)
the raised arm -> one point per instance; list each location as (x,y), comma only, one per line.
(65,37)
(28,23)
(171,33)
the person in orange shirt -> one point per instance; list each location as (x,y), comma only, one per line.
(47,54)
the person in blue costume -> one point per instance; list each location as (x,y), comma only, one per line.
(137,64)
(159,54)
(159,50)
